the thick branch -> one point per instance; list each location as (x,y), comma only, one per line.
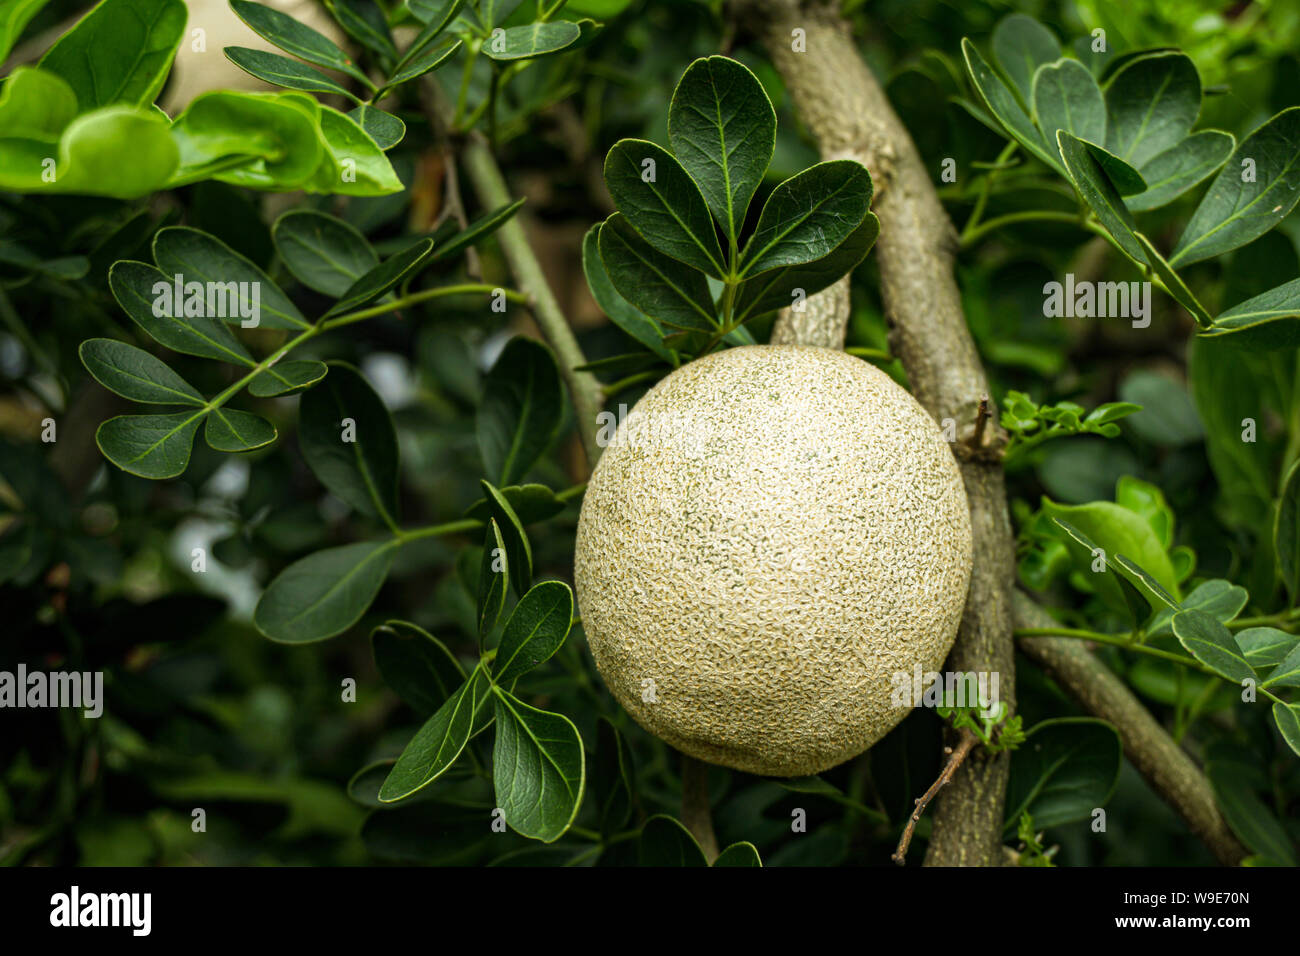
(845,108)
(1165,765)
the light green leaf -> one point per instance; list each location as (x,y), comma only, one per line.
(148,297)
(322,252)
(519,554)
(663,288)
(1021,45)
(531,39)
(36,104)
(285,378)
(663,204)
(352,163)
(234,431)
(521,410)
(437,744)
(534,631)
(281,140)
(1234,211)
(1065,769)
(808,216)
(14,16)
(621,312)
(1100,195)
(722,129)
(151,446)
(1065,96)
(135,374)
(119,52)
(348,440)
(324,593)
(201,257)
(297,38)
(1152,102)
(538,768)
(1211,643)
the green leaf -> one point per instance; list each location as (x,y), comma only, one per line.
(234,431)
(481,227)
(148,297)
(538,769)
(493,579)
(1173,282)
(282,71)
(1126,180)
(437,744)
(352,163)
(665,842)
(416,665)
(779,288)
(1152,102)
(739,854)
(1286,530)
(1002,103)
(521,409)
(722,129)
(519,555)
(135,374)
(611,778)
(492,12)
(1099,193)
(531,39)
(661,287)
(14,16)
(398,268)
(285,378)
(1065,96)
(1234,212)
(1265,646)
(198,256)
(1066,768)
(436,17)
(1211,643)
(531,503)
(295,37)
(324,593)
(348,440)
(621,312)
(36,104)
(663,204)
(1218,598)
(1248,816)
(1170,174)
(1118,531)
(322,252)
(151,446)
(1021,45)
(1287,673)
(365,22)
(1266,321)
(384,128)
(428,59)
(808,216)
(1287,718)
(534,631)
(280,140)
(120,52)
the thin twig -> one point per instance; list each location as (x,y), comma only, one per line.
(955,760)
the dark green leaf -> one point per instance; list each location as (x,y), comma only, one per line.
(611,778)
(1287,673)
(282,71)
(1021,45)
(480,228)
(1170,174)
(1152,102)
(621,312)
(739,854)
(531,503)
(521,409)
(534,631)
(538,769)
(436,16)
(348,440)
(808,216)
(1065,96)
(1286,531)
(1212,644)
(416,665)
(665,842)
(365,22)
(437,744)
(1173,282)
(1248,816)
(1287,718)
(234,431)
(519,554)
(296,38)
(493,579)
(324,593)
(405,265)
(1100,195)
(1265,646)
(1126,180)
(285,378)
(135,374)
(1066,768)
(120,52)
(661,287)
(722,129)
(147,296)
(151,446)
(323,253)
(428,59)
(1270,320)
(1221,599)
(663,204)
(1233,212)
(384,128)
(531,39)
(1002,103)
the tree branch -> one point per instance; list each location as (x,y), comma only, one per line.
(845,108)
(1165,765)
(696,815)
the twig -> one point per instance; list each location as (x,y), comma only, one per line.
(955,760)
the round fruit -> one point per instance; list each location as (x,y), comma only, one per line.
(773,535)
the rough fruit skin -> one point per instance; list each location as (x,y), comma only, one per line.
(773,533)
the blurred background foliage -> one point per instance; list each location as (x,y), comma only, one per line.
(202,711)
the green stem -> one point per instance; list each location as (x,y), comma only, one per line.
(470,288)
(1115,640)
(969,237)
(878,355)
(615,387)
(407,535)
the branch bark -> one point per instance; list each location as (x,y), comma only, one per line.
(845,108)
(1166,766)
